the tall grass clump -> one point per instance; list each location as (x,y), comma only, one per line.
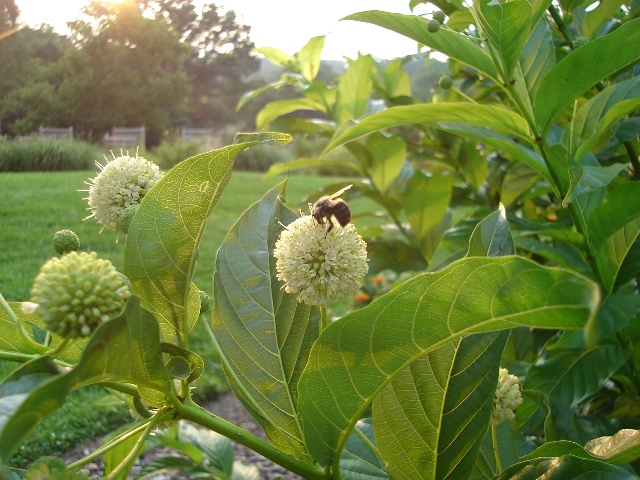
(46,155)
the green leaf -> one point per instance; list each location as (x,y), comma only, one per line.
(217,448)
(595,19)
(12,337)
(135,332)
(162,243)
(195,364)
(453,44)
(506,26)
(538,56)
(118,454)
(246,472)
(356,356)
(584,67)
(586,179)
(425,201)
(570,376)
(618,310)
(178,368)
(309,58)
(432,114)
(28,395)
(488,136)
(492,237)
(280,58)
(164,464)
(431,418)
(613,228)
(621,448)
(613,115)
(587,117)
(460,20)
(354,90)
(396,82)
(273,110)
(387,158)
(359,459)
(567,467)
(263,332)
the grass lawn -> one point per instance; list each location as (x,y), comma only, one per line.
(33,206)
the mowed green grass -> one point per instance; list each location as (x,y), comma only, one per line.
(33,206)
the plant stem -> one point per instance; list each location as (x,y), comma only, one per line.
(324,318)
(16,356)
(61,346)
(494,441)
(560,24)
(633,158)
(194,413)
(7,308)
(77,465)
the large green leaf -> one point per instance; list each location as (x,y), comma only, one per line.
(432,114)
(387,157)
(595,18)
(432,417)
(118,454)
(586,179)
(453,44)
(360,460)
(309,58)
(567,467)
(583,68)
(26,396)
(274,110)
(356,356)
(264,333)
(613,229)
(162,242)
(425,201)
(623,447)
(354,90)
(570,376)
(13,338)
(506,27)
(492,236)
(587,117)
(538,56)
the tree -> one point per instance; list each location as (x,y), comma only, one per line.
(220,59)
(126,71)
(9,13)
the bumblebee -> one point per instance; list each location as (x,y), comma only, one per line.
(331,205)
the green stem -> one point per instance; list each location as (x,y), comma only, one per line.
(126,388)
(7,308)
(77,465)
(560,24)
(633,158)
(192,412)
(324,318)
(463,95)
(137,448)
(494,441)
(17,356)
(61,346)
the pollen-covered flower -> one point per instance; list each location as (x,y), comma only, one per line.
(507,397)
(320,266)
(77,292)
(122,182)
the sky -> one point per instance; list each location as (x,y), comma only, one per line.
(284,24)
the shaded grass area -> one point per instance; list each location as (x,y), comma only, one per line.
(33,206)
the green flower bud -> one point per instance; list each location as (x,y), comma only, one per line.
(445,82)
(439,16)
(580,41)
(433,26)
(77,292)
(205,302)
(65,241)
(127,217)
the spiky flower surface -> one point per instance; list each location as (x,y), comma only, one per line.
(320,266)
(122,182)
(77,292)
(507,397)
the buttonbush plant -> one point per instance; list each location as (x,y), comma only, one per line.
(512,196)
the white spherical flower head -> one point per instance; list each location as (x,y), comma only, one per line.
(320,266)
(122,182)
(507,398)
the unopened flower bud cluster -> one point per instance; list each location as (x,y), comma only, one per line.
(77,292)
(507,397)
(320,266)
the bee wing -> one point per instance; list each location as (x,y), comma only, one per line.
(340,192)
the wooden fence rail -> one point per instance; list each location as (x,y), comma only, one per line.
(55,133)
(125,137)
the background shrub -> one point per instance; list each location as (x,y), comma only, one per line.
(46,155)
(260,157)
(172,151)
